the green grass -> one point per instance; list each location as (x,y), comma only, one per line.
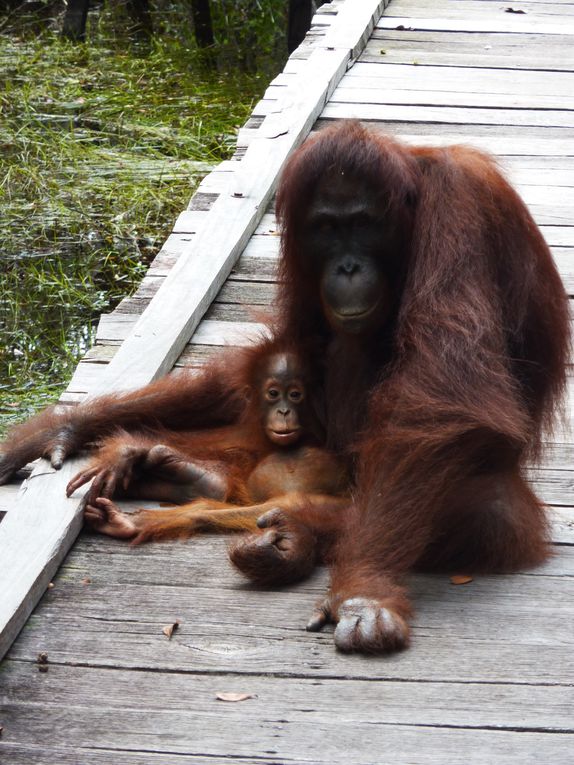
(101,146)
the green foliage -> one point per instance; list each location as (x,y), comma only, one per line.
(249,33)
(101,146)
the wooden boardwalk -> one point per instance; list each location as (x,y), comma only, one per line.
(489,679)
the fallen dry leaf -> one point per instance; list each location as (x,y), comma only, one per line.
(169,629)
(460,579)
(235,696)
(86,580)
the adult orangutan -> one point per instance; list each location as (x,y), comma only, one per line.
(442,332)
(233,478)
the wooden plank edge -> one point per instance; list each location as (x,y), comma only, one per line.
(35,537)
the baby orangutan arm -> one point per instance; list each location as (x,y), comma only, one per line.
(202,515)
(287,549)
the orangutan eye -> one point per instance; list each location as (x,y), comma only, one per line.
(273,393)
(295,395)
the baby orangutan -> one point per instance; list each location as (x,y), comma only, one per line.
(267,471)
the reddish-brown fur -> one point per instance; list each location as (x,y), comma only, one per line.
(441,404)
(232,478)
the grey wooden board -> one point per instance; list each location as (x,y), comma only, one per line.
(445,49)
(482,22)
(449,115)
(444,705)
(379,90)
(488,82)
(468,8)
(7,496)
(320,723)
(116,327)
(556,487)
(34,539)
(233,638)
(535,10)
(116,620)
(24,754)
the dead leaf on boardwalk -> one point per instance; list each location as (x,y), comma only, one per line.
(513,10)
(460,579)
(235,696)
(86,580)
(169,629)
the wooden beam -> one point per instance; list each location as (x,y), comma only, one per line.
(490,23)
(36,535)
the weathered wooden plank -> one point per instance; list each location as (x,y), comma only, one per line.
(116,327)
(193,355)
(465,9)
(448,115)
(423,56)
(557,177)
(528,51)
(556,487)
(179,732)
(68,690)
(458,80)
(562,519)
(34,539)
(233,291)
(7,496)
(502,622)
(46,754)
(353,25)
(376,91)
(483,23)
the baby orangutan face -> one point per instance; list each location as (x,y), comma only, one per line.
(283,406)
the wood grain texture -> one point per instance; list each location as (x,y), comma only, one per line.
(483,22)
(34,539)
